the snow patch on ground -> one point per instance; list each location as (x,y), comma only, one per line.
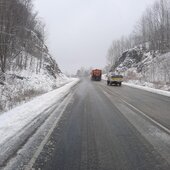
(15,120)
(22,86)
(158,86)
(146,88)
(104,76)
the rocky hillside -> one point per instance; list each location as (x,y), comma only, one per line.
(26,67)
(18,85)
(145,68)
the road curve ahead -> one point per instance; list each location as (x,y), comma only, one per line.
(105,128)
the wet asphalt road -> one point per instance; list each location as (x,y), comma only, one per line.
(93,134)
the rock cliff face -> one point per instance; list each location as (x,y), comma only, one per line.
(129,59)
(145,67)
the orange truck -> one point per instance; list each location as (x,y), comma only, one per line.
(96,75)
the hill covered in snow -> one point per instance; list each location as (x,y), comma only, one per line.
(145,68)
(26,67)
(18,85)
(143,56)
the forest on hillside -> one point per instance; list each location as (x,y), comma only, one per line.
(26,67)
(22,38)
(152,33)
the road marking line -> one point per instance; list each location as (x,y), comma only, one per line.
(112,92)
(148,117)
(145,115)
(106,94)
(43,143)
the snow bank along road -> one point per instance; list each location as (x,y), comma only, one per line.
(100,128)
(17,125)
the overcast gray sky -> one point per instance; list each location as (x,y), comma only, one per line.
(81,31)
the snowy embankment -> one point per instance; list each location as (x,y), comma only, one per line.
(149,89)
(149,69)
(146,87)
(20,87)
(14,121)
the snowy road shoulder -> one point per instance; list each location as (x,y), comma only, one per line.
(149,89)
(16,119)
(152,90)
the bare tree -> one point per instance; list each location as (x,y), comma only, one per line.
(152,29)
(20,31)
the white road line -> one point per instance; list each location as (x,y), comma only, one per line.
(148,117)
(41,146)
(155,133)
(107,94)
(145,115)
(113,92)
